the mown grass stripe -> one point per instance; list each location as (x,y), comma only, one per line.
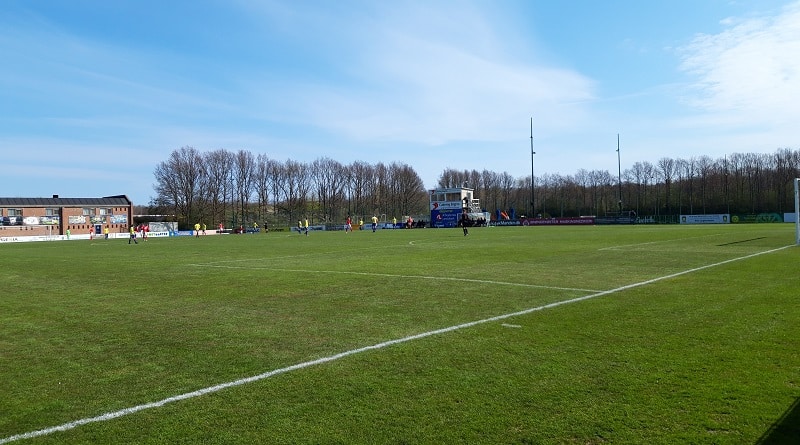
(388,275)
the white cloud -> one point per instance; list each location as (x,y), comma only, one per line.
(750,71)
(432,75)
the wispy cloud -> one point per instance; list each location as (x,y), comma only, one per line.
(434,74)
(750,71)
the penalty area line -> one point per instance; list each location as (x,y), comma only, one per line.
(216,388)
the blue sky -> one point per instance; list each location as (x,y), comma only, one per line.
(94,94)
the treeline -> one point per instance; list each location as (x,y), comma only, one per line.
(241,188)
(739,183)
(238,188)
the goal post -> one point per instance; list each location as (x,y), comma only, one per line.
(797,211)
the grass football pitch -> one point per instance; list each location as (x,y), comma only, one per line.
(577,335)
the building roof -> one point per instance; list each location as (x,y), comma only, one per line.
(108,201)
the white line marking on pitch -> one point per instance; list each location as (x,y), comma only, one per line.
(389,275)
(212,389)
(330,252)
(657,242)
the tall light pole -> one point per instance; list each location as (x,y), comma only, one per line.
(619,173)
(533,195)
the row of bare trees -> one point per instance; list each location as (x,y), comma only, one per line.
(739,183)
(238,188)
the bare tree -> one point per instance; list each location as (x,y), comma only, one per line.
(297,185)
(328,177)
(690,172)
(409,189)
(361,188)
(177,182)
(705,167)
(666,169)
(787,167)
(217,185)
(491,187)
(562,186)
(636,175)
(582,179)
(244,172)
(262,185)
(380,189)
(507,184)
(736,172)
(451,178)
(602,185)
(276,171)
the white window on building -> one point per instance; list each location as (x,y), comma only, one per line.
(105,211)
(50,212)
(88,212)
(14,212)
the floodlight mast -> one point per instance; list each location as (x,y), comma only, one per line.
(533,196)
(619,173)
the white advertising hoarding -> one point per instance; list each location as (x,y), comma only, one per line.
(721,218)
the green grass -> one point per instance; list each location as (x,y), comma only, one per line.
(706,357)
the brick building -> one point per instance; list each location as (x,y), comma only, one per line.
(53,216)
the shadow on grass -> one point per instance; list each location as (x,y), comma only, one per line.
(785,430)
